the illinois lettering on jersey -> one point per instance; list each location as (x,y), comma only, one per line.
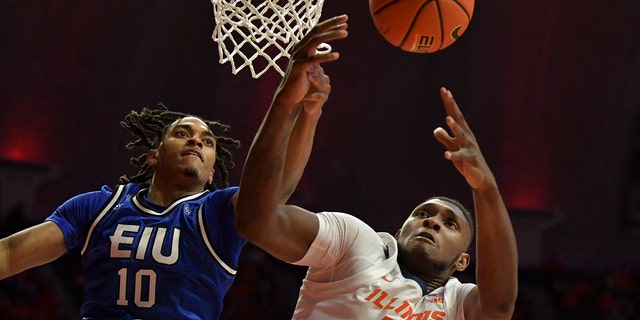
(145,261)
(354,274)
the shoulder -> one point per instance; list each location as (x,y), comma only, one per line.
(219,205)
(454,283)
(100,195)
(225,193)
(343,227)
(224,197)
(341,219)
(347,230)
(456,290)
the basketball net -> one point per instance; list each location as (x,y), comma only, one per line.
(261,36)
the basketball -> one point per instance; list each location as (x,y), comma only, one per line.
(421,26)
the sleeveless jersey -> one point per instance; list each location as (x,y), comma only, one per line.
(142,261)
(354,274)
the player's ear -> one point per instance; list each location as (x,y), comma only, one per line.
(463,261)
(152,157)
(210,180)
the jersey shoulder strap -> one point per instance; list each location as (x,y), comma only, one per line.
(111,202)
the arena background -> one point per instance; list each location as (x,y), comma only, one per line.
(550,88)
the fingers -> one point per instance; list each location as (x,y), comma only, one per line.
(461,136)
(319,79)
(462,147)
(450,104)
(305,80)
(444,138)
(452,108)
(320,85)
(323,32)
(455,144)
(330,28)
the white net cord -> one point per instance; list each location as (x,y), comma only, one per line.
(261,36)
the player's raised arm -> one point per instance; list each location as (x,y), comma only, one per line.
(279,152)
(497,256)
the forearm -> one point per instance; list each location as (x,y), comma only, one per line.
(279,152)
(4,259)
(31,247)
(298,151)
(261,182)
(496,252)
(12,263)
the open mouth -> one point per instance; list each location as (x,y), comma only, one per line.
(427,236)
(192,153)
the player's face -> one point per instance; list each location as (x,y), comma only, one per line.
(188,149)
(435,237)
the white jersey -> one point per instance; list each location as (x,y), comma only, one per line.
(354,274)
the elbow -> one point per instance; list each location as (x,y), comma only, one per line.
(495,305)
(504,309)
(244,226)
(250,214)
(499,312)
(247,231)
(253,232)
(252,225)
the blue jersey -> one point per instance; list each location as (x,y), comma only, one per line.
(143,261)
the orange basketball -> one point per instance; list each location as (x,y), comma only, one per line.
(421,26)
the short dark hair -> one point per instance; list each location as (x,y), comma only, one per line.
(149,125)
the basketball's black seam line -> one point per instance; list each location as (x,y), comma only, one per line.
(441,25)
(413,22)
(385,6)
(463,9)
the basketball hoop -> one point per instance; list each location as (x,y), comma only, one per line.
(260,36)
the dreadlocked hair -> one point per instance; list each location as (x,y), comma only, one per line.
(148,127)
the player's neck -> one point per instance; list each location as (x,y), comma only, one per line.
(435,283)
(431,278)
(166,194)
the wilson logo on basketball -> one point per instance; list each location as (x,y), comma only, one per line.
(424,43)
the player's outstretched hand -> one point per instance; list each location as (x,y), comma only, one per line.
(305,80)
(462,147)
